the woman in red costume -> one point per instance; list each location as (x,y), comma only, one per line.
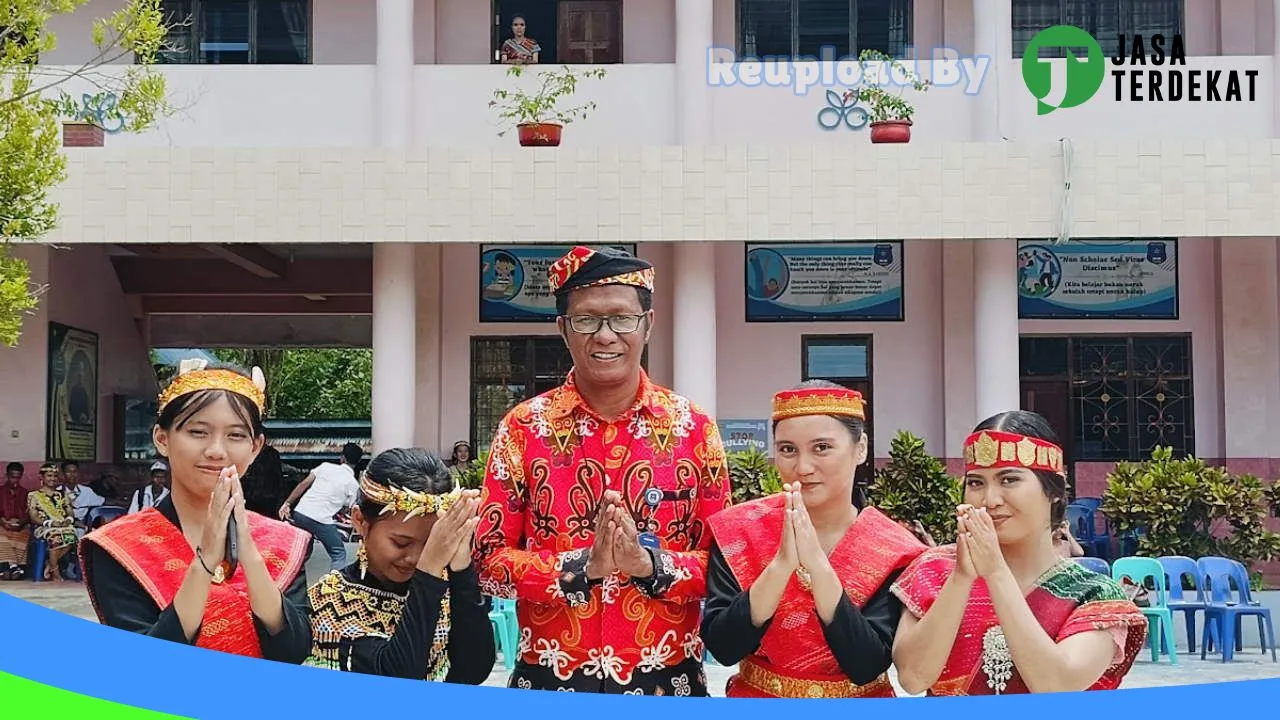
(1001,612)
(168,571)
(798,583)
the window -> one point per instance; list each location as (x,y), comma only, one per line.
(844,360)
(802,28)
(238,32)
(1105,20)
(567,32)
(1123,395)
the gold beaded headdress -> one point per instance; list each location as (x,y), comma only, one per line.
(818,401)
(410,502)
(192,376)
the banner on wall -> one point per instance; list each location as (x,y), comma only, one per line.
(824,281)
(741,435)
(1106,279)
(513,281)
(72,419)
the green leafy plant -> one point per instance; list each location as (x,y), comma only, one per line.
(1181,506)
(914,485)
(517,106)
(752,475)
(17,297)
(881,103)
(471,477)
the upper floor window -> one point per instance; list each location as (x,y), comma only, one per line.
(562,32)
(238,32)
(1105,20)
(803,28)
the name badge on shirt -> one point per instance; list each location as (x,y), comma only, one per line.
(650,541)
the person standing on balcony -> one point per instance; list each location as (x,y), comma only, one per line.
(596,500)
(330,489)
(798,583)
(520,49)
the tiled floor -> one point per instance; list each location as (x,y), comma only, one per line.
(1247,665)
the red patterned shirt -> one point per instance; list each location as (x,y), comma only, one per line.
(551,461)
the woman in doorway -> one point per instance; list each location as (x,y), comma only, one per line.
(520,49)
(1001,611)
(168,571)
(52,521)
(410,606)
(798,583)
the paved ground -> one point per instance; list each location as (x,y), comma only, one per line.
(71,598)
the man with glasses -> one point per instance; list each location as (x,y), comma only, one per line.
(596,500)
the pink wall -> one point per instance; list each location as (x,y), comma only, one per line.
(83,293)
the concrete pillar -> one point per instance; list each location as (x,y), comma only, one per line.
(429,432)
(1275,68)
(694,38)
(995,327)
(1249,320)
(993,38)
(394,345)
(394,74)
(694,331)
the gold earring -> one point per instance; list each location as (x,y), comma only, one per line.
(363,558)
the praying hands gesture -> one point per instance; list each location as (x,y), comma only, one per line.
(977,547)
(617,543)
(451,540)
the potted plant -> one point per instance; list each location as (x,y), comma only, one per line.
(890,114)
(914,487)
(752,475)
(537,116)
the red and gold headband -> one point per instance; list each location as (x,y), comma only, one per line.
(410,502)
(562,270)
(193,377)
(988,449)
(818,401)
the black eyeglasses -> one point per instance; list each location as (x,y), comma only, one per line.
(591,324)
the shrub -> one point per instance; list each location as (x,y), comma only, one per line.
(914,485)
(752,475)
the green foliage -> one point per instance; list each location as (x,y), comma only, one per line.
(914,485)
(471,477)
(1185,507)
(875,93)
(519,107)
(752,475)
(32,101)
(312,383)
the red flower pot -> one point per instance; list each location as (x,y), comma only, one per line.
(539,134)
(891,131)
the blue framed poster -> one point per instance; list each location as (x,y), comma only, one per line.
(824,281)
(513,281)
(738,435)
(1098,279)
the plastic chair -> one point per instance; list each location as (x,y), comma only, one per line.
(39,556)
(103,514)
(1093,503)
(1225,611)
(1175,568)
(1159,617)
(506,630)
(1081,519)
(1097,565)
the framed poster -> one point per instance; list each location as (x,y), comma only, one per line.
(846,281)
(513,281)
(1098,279)
(740,435)
(72,406)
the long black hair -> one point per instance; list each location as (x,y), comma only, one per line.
(413,469)
(857,429)
(181,409)
(1033,425)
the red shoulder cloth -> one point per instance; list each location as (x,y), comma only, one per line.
(157,555)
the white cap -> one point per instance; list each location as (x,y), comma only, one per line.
(159,465)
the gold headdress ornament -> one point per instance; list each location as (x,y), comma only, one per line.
(192,376)
(410,502)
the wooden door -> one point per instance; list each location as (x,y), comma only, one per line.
(590,32)
(1052,399)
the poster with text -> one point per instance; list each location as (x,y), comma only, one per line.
(513,281)
(824,281)
(1106,279)
(72,430)
(739,435)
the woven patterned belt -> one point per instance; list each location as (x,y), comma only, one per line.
(764,680)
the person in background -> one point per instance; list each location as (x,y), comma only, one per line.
(1066,543)
(154,492)
(1001,612)
(328,491)
(459,460)
(81,497)
(410,606)
(15,522)
(265,484)
(520,49)
(596,500)
(50,512)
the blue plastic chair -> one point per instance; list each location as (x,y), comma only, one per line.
(1159,617)
(1097,565)
(39,556)
(1225,611)
(1177,567)
(1082,519)
(103,514)
(1093,503)
(506,630)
